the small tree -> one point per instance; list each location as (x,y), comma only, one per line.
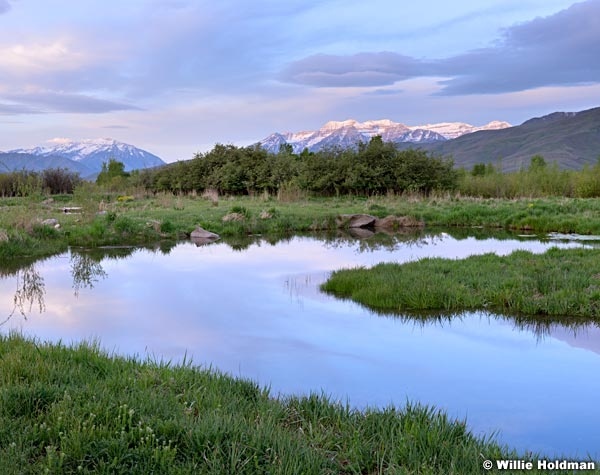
(537,163)
(112,172)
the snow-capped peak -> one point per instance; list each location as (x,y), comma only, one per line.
(334,125)
(347,133)
(95,152)
(60,141)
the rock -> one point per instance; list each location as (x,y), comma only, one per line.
(265,215)
(200,233)
(201,237)
(233,217)
(397,222)
(355,221)
(51,222)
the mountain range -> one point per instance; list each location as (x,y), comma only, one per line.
(349,133)
(85,157)
(570,139)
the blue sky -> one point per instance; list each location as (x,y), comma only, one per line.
(175,76)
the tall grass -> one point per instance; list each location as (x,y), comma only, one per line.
(76,410)
(109,219)
(560,282)
(539,180)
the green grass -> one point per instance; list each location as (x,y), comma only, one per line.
(76,410)
(148,219)
(560,282)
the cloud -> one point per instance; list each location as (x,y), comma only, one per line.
(362,69)
(16,109)
(63,102)
(385,92)
(558,50)
(4,6)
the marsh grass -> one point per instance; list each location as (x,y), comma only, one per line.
(76,410)
(133,221)
(560,282)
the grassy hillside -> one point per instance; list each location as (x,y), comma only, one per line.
(570,140)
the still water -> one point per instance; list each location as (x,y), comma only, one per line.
(255,310)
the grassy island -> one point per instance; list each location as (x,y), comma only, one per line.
(560,282)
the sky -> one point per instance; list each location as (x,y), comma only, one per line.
(174,77)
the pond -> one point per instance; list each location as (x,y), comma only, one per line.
(254,309)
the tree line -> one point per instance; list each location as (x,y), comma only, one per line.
(25,182)
(374,168)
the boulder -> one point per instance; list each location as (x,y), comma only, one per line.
(355,221)
(51,222)
(200,233)
(397,222)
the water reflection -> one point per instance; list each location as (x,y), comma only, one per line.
(30,290)
(259,313)
(86,271)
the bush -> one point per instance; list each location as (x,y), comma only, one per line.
(60,180)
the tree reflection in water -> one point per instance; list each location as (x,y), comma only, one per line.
(30,290)
(85,271)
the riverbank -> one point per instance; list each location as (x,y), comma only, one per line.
(559,282)
(112,219)
(77,410)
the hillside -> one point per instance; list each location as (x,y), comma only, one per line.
(15,161)
(571,139)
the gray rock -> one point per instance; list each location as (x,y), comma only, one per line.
(200,233)
(398,222)
(355,221)
(51,222)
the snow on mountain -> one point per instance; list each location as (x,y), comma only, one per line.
(94,152)
(349,133)
(452,130)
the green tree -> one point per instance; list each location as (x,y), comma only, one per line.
(112,172)
(537,163)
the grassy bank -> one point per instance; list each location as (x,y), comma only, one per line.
(112,219)
(560,282)
(75,410)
